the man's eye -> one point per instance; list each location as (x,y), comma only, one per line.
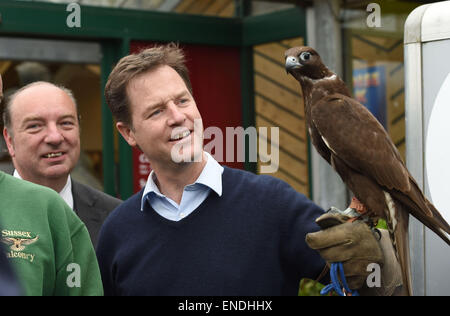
(33,126)
(154,113)
(68,123)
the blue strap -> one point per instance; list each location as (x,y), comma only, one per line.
(335,285)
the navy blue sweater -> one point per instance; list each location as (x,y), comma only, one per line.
(249,241)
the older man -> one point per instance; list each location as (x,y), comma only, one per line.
(46,243)
(42,133)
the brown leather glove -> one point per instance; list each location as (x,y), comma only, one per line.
(354,244)
(391,273)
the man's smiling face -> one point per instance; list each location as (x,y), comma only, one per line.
(44,137)
(163,114)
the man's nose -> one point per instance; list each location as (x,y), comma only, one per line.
(176,117)
(54,135)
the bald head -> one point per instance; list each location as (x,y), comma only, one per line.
(42,133)
(31,89)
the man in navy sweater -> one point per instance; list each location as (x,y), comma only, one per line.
(198,228)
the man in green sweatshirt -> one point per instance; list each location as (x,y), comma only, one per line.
(47,244)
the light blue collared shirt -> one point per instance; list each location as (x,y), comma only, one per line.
(193,195)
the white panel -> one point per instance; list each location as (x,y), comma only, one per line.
(427,47)
(437,252)
(435,23)
(436,153)
(414,156)
(413,25)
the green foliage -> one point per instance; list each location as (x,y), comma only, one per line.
(382,224)
(310,288)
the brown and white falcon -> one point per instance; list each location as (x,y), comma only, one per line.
(350,138)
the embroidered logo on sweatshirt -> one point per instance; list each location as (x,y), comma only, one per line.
(18,241)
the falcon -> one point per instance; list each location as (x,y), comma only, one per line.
(18,244)
(359,149)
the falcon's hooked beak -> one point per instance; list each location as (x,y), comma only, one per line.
(292,63)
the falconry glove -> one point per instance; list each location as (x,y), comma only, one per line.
(356,246)
(391,274)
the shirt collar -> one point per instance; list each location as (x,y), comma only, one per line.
(66,192)
(211,176)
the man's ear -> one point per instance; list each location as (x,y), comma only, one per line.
(127,133)
(9,141)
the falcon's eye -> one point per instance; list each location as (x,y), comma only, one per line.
(305,56)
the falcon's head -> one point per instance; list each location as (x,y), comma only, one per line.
(304,62)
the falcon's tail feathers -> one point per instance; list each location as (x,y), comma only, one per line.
(435,222)
(444,227)
(422,209)
(401,243)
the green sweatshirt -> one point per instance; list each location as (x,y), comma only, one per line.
(46,242)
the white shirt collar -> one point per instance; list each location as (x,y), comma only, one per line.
(211,176)
(66,192)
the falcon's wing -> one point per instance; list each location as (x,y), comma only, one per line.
(353,134)
(27,242)
(8,240)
